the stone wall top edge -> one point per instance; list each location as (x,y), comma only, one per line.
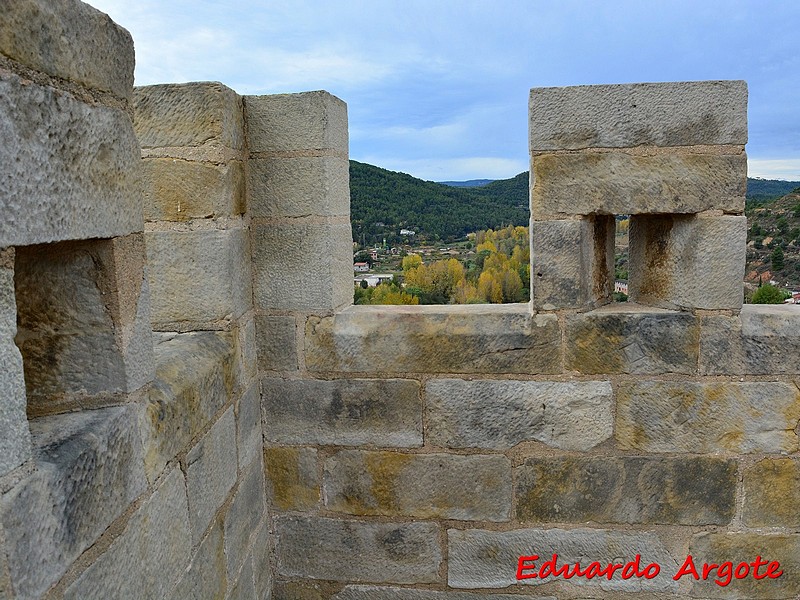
(306,94)
(642,84)
(186,84)
(422,310)
(70,40)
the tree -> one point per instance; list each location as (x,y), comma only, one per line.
(768,294)
(777,259)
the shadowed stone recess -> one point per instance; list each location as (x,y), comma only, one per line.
(246,511)
(276,341)
(71,170)
(638,114)
(629,340)
(501,414)
(89,469)
(426,486)
(772,493)
(427,339)
(358,551)
(383,412)
(69,40)
(609,489)
(149,557)
(744,547)
(675,416)
(488,559)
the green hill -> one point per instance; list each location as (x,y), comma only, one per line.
(382,202)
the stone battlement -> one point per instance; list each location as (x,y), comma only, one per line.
(191,407)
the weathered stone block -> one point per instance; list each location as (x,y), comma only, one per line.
(210,474)
(627,338)
(640,114)
(149,557)
(248,351)
(500,414)
(247,510)
(299,187)
(180,407)
(198,276)
(610,489)
(572,262)
(89,469)
(673,416)
(71,170)
(182,190)
(276,343)
(303,264)
(744,547)
(292,122)
(188,114)
(772,493)
(69,40)
(303,590)
(205,578)
(441,339)
(687,261)
(383,412)
(248,426)
(15,440)
(358,551)
(83,319)
(619,183)
(244,589)
(425,486)
(756,342)
(292,478)
(262,557)
(488,559)
(370,592)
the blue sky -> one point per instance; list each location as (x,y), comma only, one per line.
(439,88)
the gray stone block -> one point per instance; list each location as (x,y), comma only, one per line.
(488,559)
(370,592)
(756,342)
(198,276)
(69,40)
(713,417)
(248,351)
(89,469)
(72,170)
(248,426)
(299,187)
(687,262)
(292,122)
(425,486)
(435,339)
(293,481)
(303,264)
(276,343)
(179,407)
(246,511)
(628,338)
(500,414)
(149,557)
(210,474)
(182,190)
(188,114)
(357,551)
(627,489)
(744,547)
(244,589)
(15,439)
(383,412)
(572,262)
(262,569)
(619,183)
(206,577)
(640,114)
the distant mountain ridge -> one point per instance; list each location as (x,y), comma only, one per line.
(382,202)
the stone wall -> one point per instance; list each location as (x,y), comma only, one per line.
(192,409)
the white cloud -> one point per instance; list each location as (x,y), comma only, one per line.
(788,169)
